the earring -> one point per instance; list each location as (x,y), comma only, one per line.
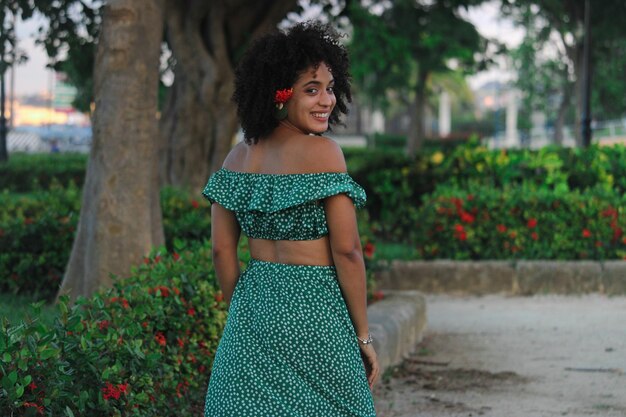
(281,112)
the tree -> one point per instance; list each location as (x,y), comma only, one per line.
(120,218)
(9,55)
(199,120)
(564,20)
(544,81)
(396,53)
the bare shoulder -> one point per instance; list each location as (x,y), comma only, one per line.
(325,155)
(235,156)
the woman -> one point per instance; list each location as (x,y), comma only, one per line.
(296,342)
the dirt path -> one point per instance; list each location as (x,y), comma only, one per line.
(514,357)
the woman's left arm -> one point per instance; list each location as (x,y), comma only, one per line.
(225,233)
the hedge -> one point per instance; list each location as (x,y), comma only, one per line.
(143,348)
(37,232)
(481,222)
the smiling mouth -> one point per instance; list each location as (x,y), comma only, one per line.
(321,115)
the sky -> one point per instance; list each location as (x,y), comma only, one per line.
(33,77)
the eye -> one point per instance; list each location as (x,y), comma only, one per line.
(312,91)
(331,90)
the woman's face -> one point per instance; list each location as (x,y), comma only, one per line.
(313,100)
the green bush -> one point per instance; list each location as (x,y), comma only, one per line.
(521,223)
(37,232)
(143,348)
(28,172)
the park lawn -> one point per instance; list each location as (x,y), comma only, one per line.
(17,307)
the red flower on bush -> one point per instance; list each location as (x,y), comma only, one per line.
(104,324)
(378,295)
(459,232)
(175,256)
(219,297)
(501,228)
(369,249)
(534,235)
(191,311)
(165,292)
(28,220)
(532,223)
(39,408)
(586,233)
(609,212)
(195,204)
(467,217)
(112,391)
(122,301)
(598,244)
(160,338)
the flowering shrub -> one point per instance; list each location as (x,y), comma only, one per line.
(143,348)
(521,223)
(397,185)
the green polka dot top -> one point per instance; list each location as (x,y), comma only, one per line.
(280,206)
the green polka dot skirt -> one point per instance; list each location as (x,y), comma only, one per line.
(288,348)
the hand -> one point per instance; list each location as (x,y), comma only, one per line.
(370,361)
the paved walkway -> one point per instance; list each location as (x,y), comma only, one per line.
(497,356)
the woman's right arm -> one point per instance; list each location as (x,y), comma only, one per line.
(225,233)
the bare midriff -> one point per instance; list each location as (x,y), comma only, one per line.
(296,252)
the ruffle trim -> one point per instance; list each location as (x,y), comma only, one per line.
(246,191)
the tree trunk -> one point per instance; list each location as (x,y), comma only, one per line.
(560,118)
(120,219)
(415,138)
(199,119)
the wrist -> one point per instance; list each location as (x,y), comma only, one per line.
(364,341)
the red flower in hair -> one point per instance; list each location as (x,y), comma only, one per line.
(282,96)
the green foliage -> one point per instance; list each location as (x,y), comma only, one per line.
(546,79)
(27,172)
(398,187)
(408,40)
(143,348)
(482,222)
(37,231)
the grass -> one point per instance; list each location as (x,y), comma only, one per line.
(16,308)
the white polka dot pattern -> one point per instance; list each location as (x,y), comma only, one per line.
(281,206)
(288,348)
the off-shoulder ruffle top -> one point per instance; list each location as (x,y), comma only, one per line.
(280,206)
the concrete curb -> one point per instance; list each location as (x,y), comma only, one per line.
(512,277)
(396,323)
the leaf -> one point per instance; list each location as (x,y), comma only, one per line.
(27,380)
(68,411)
(19,390)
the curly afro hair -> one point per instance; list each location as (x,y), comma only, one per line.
(275,61)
